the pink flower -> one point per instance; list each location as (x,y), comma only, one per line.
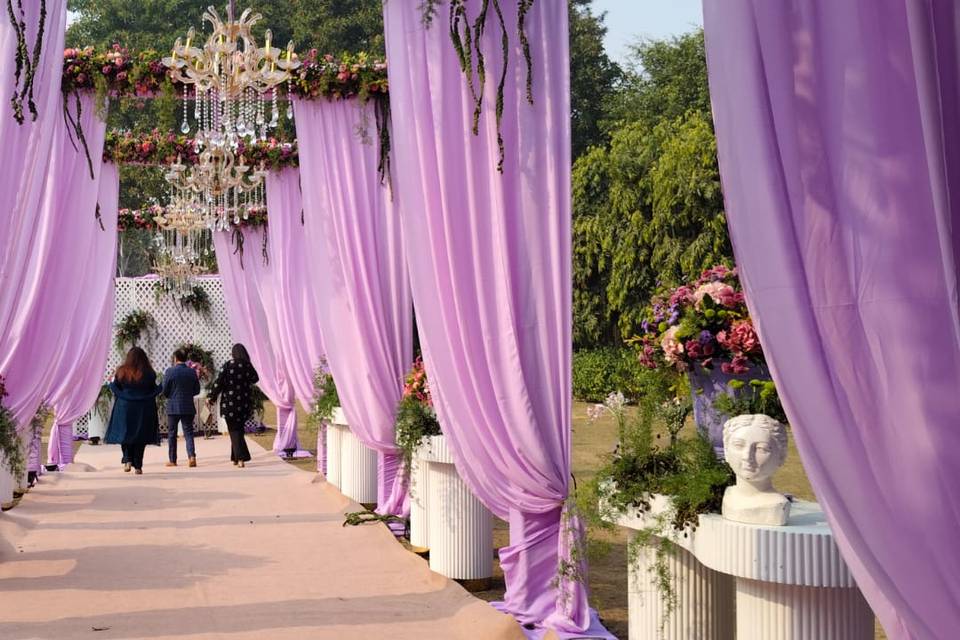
(81,78)
(739,365)
(741,339)
(721,293)
(672,348)
(682,295)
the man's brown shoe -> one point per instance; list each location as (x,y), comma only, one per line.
(171,464)
(192,463)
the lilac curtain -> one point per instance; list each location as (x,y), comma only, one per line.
(300,340)
(82,363)
(490,266)
(366,315)
(23,172)
(250,286)
(51,285)
(837,128)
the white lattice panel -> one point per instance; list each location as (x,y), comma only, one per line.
(174,325)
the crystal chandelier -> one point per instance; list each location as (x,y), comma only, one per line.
(183,243)
(231,77)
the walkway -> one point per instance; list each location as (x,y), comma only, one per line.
(215,552)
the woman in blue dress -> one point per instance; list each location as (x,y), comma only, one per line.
(134,423)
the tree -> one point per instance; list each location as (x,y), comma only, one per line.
(330,26)
(593,76)
(648,208)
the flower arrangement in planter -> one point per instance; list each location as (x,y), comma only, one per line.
(416,418)
(10,443)
(669,481)
(701,324)
(132,328)
(326,396)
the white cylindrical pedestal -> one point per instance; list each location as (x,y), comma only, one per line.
(771,611)
(335,452)
(6,484)
(96,427)
(704,599)
(358,469)
(460,527)
(419,492)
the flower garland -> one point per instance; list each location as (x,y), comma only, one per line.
(26,65)
(701,324)
(160,148)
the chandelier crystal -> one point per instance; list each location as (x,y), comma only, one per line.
(231,78)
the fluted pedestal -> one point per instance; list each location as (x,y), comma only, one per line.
(460,528)
(335,431)
(6,484)
(358,467)
(785,583)
(419,492)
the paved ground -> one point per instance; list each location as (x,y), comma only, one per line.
(215,552)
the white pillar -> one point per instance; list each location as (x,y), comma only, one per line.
(334,453)
(460,527)
(703,598)
(358,471)
(772,611)
(419,492)
(6,483)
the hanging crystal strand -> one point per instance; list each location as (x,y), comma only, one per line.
(289,101)
(275,117)
(185,127)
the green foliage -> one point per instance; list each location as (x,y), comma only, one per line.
(196,353)
(132,328)
(648,207)
(415,421)
(260,400)
(593,76)
(326,395)
(11,445)
(598,372)
(755,397)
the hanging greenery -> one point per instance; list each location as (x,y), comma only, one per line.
(11,447)
(467,39)
(26,66)
(197,301)
(132,328)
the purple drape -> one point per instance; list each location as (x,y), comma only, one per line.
(354,233)
(490,267)
(23,172)
(837,130)
(300,340)
(80,368)
(51,287)
(250,292)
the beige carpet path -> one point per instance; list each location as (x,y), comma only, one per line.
(215,552)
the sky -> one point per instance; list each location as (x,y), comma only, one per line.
(629,20)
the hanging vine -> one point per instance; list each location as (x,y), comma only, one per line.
(467,39)
(74,127)
(26,67)
(382,110)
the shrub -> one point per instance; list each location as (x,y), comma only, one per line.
(598,372)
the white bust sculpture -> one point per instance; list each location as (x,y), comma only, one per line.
(755,446)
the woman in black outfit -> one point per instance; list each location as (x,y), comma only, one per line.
(234,387)
(133,422)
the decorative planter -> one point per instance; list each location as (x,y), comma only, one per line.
(6,484)
(96,426)
(460,527)
(704,598)
(357,468)
(788,582)
(705,386)
(419,494)
(335,431)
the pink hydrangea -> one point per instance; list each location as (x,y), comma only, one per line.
(742,338)
(672,347)
(681,296)
(721,293)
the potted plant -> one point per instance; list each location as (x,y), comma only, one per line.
(11,445)
(703,330)
(416,419)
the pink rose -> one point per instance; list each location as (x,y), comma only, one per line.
(721,293)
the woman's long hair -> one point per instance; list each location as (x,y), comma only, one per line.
(239,353)
(136,367)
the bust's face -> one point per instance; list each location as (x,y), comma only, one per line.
(752,453)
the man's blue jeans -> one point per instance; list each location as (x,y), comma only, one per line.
(172,422)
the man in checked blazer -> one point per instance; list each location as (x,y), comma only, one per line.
(180,384)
